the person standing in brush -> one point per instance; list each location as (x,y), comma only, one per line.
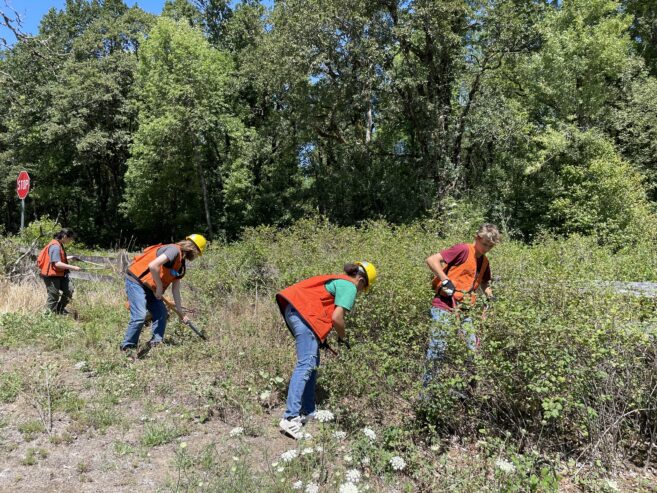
(311,309)
(459,272)
(54,268)
(148,277)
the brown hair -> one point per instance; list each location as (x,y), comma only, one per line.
(355,270)
(189,249)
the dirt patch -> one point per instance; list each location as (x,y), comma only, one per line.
(72,457)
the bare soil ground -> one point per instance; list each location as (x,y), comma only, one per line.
(109,461)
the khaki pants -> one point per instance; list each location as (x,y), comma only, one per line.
(55,285)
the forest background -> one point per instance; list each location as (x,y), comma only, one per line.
(216,116)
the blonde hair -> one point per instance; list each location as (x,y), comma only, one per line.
(189,249)
(490,232)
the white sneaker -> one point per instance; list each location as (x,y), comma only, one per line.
(292,427)
(305,418)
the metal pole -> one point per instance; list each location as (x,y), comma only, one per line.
(22,214)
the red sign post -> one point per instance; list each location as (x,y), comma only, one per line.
(22,189)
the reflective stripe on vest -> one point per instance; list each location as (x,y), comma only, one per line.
(140,271)
(313,302)
(465,276)
(45,265)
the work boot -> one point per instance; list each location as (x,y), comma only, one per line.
(292,427)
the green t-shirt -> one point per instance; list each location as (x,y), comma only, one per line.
(344,292)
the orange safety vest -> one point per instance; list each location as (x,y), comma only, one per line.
(313,302)
(45,265)
(139,270)
(464,276)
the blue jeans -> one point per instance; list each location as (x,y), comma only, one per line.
(142,300)
(442,319)
(301,392)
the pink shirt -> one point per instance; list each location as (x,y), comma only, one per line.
(456,255)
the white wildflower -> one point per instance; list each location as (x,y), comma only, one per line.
(324,416)
(435,448)
(312,488)
(319,448)
(613,485)
(307,436)
(348,488)
(397,463)
(505,466)
(297,485)
(183,444)
(237,431)
(265,395)
(348,459)
(369,433)
(339,435)
(274,464)
(280,469)
(289,455)
(307,451)
(353,475)
(365,461)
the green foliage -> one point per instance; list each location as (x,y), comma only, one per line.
(216,116)
(633,125)
(33,455)
(10,386)
(30,429)
(40,230)
(588,189)
(159,434)
(555,338)
(585,46)
(188,141)
(69,118)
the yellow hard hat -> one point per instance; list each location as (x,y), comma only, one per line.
(370,273)
(199,241)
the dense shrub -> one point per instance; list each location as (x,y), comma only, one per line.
(565,362)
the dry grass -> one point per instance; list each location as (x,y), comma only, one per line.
(99,294)
(24,298)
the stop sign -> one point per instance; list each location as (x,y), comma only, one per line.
(23,184)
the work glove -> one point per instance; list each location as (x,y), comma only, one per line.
(344,342)
(448,287)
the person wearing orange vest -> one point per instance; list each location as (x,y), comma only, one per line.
(311,309)
(460,271)
(148,277)
(54,268)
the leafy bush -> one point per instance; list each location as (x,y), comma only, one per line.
(40,231)
(565,362)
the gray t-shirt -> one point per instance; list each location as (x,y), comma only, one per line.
(55,254)
(170,251)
